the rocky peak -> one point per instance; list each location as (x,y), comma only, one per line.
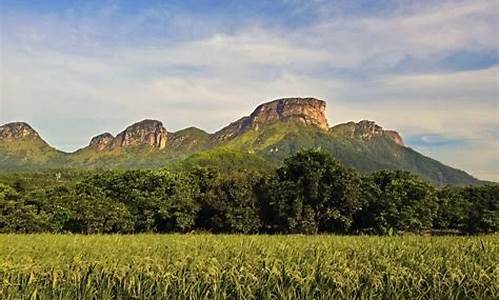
(101,141)
(307,111)
(15,131)
(367,130)
(394,136)
(146,132)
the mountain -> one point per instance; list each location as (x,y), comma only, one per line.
(305,111)
(146,132)
(140,145)
(261,140)
(22,149)
(188,140)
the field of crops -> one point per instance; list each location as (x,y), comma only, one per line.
(247,267)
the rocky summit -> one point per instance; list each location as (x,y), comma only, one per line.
(16,131)
(368,130)
(146,132)
(307,111)
(394,136)
(102,141)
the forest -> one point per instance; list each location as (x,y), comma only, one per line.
(310,193)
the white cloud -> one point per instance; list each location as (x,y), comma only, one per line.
(381,41)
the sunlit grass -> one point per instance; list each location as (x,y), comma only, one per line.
(178,266)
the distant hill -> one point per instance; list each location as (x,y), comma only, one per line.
(22,149)
(272,132)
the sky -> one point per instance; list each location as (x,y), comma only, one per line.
(428,69)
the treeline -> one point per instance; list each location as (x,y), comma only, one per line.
(311,193)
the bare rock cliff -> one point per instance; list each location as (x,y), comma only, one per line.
(15,131)
(394,136)
(307,111)
(146,132)
(367,130)
(102,141)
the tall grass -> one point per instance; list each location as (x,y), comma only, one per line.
(247,267)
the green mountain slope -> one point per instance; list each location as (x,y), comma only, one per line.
(22,149)
(188,140)
(28,155)
(281,139)
(181,144)
(224,159)
(274,131)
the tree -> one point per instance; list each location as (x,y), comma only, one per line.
(482,217)
(16,216)
(160,201)
(312,193)
(53,202)
(453,208)
(92,211)
(228,202)
(397,201)
(472,209)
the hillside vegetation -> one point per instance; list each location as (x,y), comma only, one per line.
(311,193)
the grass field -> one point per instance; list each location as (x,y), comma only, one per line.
(48,266)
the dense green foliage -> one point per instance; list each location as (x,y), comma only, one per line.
(313,193)
(310,193)
(247,267)
(470,209)
(397,200)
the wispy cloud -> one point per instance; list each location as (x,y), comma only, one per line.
(399,63)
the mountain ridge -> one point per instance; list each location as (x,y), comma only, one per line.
(17,130)
(367,130)
(308,111)
(273,131)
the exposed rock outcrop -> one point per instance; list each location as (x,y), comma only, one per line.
(100,142)
(367,130)
(394,136)
(15,131)
(307,111)
(146,132)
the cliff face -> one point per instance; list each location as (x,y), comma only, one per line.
(394,136)
(367,130)
(15,131)
(146,132)
(307,111)
(101,141)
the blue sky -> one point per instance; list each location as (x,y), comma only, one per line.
(428,69)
